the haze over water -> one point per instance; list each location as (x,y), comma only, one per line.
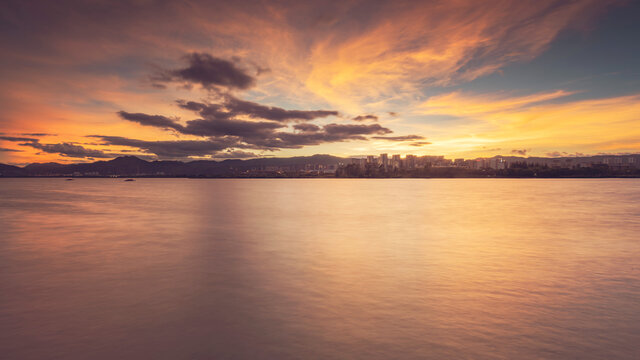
(319,268)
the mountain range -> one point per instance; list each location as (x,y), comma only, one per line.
(134,166)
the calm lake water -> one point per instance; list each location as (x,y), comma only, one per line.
(320,269)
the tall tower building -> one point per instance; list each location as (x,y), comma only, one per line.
(410,161)
(396,162)
(384,160)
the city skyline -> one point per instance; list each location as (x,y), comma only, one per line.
(323,165)
(88,81)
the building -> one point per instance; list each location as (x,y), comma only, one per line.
(497,163)
(410,161)
(371,159)
(396,163)
(384,160)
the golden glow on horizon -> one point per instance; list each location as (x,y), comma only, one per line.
(521,122)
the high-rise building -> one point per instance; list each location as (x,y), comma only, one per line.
(384,160)
(410,161)
(371,159)
(497,163)
(396,162)
(360,162)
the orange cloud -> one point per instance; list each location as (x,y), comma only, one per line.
(431,44)
(484,105)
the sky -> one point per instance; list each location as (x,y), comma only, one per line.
(93,80)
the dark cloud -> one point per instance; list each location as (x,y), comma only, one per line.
(172,149)
(225,130)
(209,71)
(307,127)
(191,105)
(212,125)
(258,111)
(17,139)
(365,118)
(565,154)
(231,106)
(399,138)
(392,113)
(338,129)
(9,150)
(561,154)
(327,134)
(420,143)
(235,154)
(69,150)
(151,120)
(298,140)
(224,127)
(233,134)
(37,134)
(519,152)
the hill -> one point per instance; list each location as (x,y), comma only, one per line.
(134,166)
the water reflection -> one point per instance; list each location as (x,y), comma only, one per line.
(178,268)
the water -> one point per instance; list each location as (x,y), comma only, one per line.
(319,269)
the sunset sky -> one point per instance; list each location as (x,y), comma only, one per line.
(91,80)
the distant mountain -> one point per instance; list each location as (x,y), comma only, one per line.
(134,166)
(10,170)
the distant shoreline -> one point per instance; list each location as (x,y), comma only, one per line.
(321,177)
(327,166)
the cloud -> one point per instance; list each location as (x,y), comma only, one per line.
(212,125)
(222,121)
(223,127)
(315,135)
(231,106)
(519,151)
(208,71)
(37,134)
(497,120)
(307,127)
(350,54)
(9,150)
(255,110)
(329,133)
(557,154)
(398,48)
(420,143)
(236,154)
(172,149)
(338,129)
(399,138)
(69,150)
(463,104)
(229,134)
(365,118)
(151,120)
(17,139)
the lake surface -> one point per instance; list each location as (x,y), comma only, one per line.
(320,269)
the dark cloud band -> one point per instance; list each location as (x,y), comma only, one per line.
(208,71)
